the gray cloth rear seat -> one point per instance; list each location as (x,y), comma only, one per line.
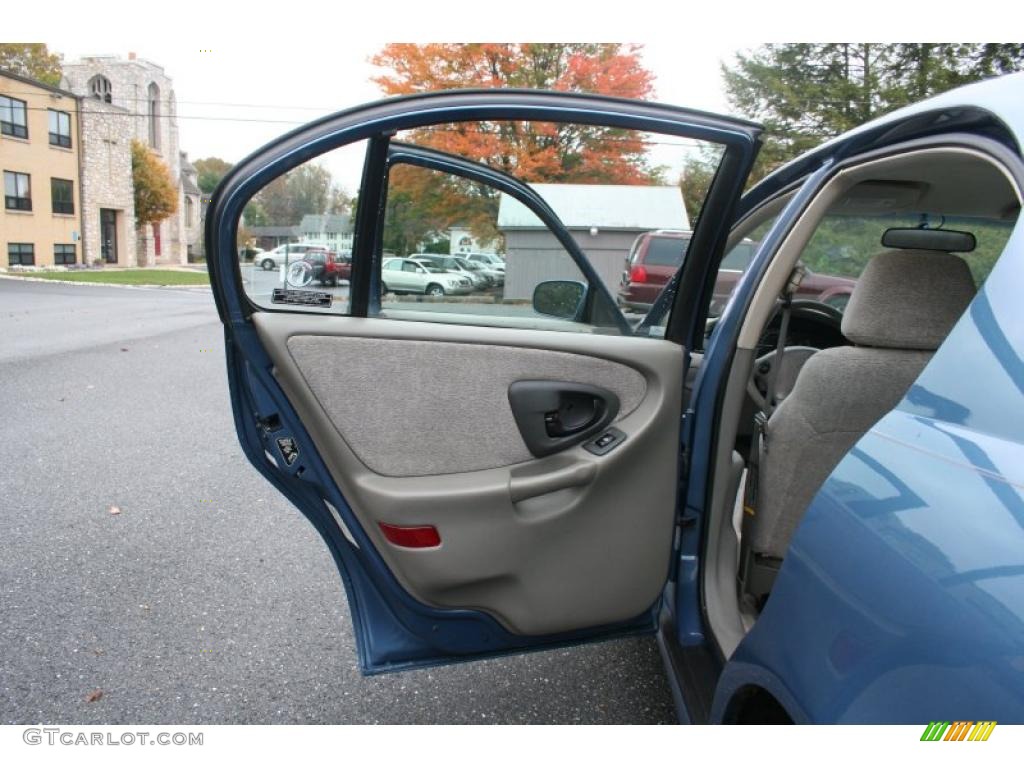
(903,306)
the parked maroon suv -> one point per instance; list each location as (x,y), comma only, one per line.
(338,267)
(656,256)
(328,266)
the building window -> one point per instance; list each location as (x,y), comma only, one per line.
(100,89)
(156,239)
(64,254)
(60,129)
(188,212)
(21,253)
(13,117)
(63,196)
(17,191)
(154,116)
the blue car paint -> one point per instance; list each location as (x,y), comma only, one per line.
(901,598)
(394,631)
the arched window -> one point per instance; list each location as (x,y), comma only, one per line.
(154,116)
(100,89)
(188,211)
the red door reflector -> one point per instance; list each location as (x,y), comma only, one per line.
(411,536)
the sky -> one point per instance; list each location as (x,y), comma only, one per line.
(247,73)
(234,98)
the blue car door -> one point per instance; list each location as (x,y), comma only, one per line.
(493,471)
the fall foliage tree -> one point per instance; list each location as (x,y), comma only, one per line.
(156,196)
(535,152)
(531,151)
(31,60)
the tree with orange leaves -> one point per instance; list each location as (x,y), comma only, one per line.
(535,152)
(531,151)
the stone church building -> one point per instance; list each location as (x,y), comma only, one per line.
(122,100)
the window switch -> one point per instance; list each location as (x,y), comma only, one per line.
(609,439)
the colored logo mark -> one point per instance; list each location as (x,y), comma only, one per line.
(961,730)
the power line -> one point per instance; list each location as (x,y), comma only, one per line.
(434,129)
(203,103)
(161,116)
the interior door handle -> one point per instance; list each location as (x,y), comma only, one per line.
(554,415)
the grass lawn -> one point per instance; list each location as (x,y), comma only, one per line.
(126,277)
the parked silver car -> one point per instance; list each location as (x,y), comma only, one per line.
(486,259)
(456,266)
(287,252)
(496,275)
(413,276)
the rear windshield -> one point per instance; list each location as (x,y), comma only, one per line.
(665,251)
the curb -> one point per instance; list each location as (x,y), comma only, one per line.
(103,285)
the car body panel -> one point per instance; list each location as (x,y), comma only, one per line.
(931,500)
(656,273)
(900,596)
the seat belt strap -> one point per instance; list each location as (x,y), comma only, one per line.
(757,445)
(780,349)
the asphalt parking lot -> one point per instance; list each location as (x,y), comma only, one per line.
(149,575)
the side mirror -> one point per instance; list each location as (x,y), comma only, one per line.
(559,298)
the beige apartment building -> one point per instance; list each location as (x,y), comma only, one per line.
(40,150)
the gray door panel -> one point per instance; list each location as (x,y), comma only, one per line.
(412,419)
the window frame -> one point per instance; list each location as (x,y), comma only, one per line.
(153,113)
(64,254)
(9,127)
(67,206)
(101,88)
(23,202)
(58,135)
(599,309)
(376,122)
(21,255)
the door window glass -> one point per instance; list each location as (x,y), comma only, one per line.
(296,235)
(622,211)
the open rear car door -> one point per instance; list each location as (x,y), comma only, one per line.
(491,473)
